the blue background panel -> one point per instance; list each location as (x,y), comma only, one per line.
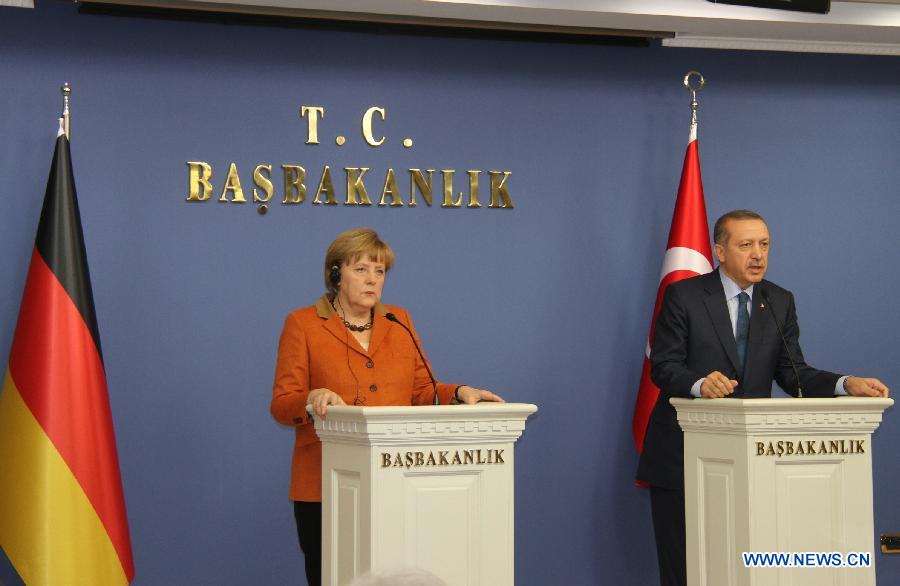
(547,303)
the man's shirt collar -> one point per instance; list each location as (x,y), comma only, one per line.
(731,288)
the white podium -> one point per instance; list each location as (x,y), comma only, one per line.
(428,487)
(778,475)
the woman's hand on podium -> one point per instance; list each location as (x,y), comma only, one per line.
(471,395)
(320,399)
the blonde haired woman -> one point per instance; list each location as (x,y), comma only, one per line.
(344,350)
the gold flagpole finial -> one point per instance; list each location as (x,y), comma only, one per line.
(694,89)
(66,91)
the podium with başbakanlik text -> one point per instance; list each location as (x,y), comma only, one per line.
(779,476)
(427,487)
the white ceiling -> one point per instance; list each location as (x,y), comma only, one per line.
(852,26)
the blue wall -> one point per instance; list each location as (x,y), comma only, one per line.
(546,303)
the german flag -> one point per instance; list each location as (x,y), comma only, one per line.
(62,513)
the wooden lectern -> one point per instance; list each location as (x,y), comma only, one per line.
(427,487)
(779,475)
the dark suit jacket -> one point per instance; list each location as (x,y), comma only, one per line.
(693,337)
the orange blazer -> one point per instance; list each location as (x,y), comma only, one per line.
(317,351)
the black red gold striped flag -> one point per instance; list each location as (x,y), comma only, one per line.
(62,511)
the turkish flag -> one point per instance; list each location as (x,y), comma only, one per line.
(687,254)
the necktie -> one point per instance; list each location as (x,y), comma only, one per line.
(742,328)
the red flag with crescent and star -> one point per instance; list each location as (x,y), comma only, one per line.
(688,253)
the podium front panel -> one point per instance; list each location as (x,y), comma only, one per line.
(430,488)
(779,476)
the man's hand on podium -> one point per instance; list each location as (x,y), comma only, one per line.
(859,386)
(471,395)
(716,385)
(320,399)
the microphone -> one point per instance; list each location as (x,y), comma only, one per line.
(393,318)
(765,296)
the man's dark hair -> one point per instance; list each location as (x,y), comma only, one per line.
(720,236)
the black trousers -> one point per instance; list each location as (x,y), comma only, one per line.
(309,532)
(667,506)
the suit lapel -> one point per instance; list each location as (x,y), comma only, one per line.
(380,329)
(718,313)
(333,324)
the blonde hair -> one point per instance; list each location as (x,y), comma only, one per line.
(349,246)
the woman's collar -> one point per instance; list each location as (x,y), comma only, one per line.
(324,309)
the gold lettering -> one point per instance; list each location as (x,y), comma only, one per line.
(473,189)
(834,447)
(233,184)
(442,458)
(800,451)
(391,189)
(312,122)
(790,448)
(770,450)
(823,449)
(367,126)
(760,448)
(859,447)
(326,186)
(199,174)
(811,447)
(294,189)
(449,202)
(780,448)
(356,186)
(843,447)
(417,182)
(498,189)
(262,181)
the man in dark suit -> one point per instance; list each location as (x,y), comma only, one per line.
(716,336)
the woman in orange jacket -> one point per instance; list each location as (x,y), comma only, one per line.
(346,350)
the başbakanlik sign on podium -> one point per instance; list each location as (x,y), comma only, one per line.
(427,487)
(779,475)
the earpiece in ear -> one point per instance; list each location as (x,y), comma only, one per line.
(335,276)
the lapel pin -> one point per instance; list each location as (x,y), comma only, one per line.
(762,305)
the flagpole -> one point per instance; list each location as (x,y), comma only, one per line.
(688,253)
(694,89)
(66,91)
